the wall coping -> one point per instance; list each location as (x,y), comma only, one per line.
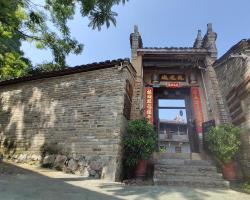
(73,70)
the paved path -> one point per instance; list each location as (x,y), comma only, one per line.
(33,183)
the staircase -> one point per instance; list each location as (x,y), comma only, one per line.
(187,170)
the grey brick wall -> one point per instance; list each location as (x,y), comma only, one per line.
(81,113)
(233,76)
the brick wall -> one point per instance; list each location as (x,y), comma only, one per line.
(80,116)
(233,76)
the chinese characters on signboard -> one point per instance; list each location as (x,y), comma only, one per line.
(173,84)
(149,104)
(173,77)
(198,114)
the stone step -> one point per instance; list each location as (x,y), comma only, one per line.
(200,156)
(188,177)
(193,183)
(159,155)
(170,162)
(159,174)
(184,168)
(199,162)
(195,170)
(184,162)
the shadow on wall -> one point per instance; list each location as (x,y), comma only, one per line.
(28,117)
(55,122)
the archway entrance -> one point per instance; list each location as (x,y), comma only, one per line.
(174,120)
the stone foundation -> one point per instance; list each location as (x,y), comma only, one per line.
(86,166)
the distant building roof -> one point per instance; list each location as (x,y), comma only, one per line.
(172,122)
(243,44)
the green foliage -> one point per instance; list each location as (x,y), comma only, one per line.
(47,67)
(140,141)
(163,150)
(224,142)
(245,187)
(46,26)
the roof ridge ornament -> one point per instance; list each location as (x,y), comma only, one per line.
(198,40)
(136,29)
(209,28)
(209,41)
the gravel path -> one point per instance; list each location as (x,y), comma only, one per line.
(25,182)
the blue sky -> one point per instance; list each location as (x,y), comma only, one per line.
(170,114)
(161,23)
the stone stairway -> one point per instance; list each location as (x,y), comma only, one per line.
(182,170)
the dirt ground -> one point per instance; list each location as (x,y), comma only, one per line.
(26,182)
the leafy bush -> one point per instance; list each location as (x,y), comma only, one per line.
(245,187)
(224,142)
(140,141)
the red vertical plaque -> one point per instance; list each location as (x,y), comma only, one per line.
(149,104)
(198,114)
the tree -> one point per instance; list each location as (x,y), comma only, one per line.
(46,25)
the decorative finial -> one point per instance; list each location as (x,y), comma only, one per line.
(199,37)
(135,29)
(209,28)
(198,40)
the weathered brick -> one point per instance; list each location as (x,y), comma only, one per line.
(82,112)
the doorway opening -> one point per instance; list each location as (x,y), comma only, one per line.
(173,116)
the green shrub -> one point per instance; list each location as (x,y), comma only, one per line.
(224,142)
(140,141)
(245,187)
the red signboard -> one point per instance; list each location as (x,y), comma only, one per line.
(198,114)
(149,104)
(173,84)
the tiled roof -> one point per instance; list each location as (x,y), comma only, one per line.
(167,48)
(69,70)
(241,44)
(173,49)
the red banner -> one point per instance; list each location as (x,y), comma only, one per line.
(149,104)
(198,114)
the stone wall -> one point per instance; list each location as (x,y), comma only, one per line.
(73,122)
(233,76)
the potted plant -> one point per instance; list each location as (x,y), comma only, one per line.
(139,144)
(224,142)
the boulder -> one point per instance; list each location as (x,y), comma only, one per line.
(72,165)
(59,161)
(82,163)
(92,172)
(96,165)
(83,171)
(49,160)
(35,157)
(22,158)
